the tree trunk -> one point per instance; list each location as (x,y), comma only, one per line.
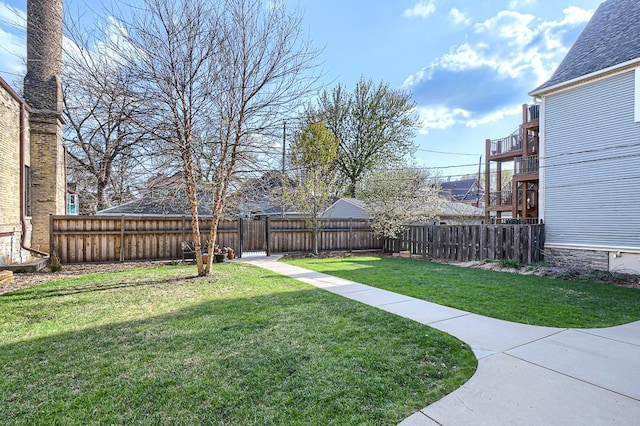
(101,195)
(213,236)
(192,196)
(315,241)
(352,188)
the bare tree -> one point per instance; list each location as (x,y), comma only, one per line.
(266,75)
(101,113)
(220,75)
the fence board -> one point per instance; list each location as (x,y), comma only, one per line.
(110,239)
(107,239)
(520,242)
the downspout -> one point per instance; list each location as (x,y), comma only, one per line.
(23,201)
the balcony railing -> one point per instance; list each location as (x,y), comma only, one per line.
(533,112)
(501,198)
(526,165)
(510,143)
(517,221)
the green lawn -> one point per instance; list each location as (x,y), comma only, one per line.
(513,297)
(247,346)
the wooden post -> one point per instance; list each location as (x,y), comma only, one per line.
(122,225)
(51,245)
(240,237)
(266,236)
(487,182)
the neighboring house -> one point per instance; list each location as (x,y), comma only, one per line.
(459,214)
(149,205)
(517,156)
(32,161)
(165,196)
(590,145)
(449,213)
(345,208)
(463,191)
(263,197)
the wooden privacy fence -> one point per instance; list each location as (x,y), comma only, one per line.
(77,239)
(287,236)
(524,243)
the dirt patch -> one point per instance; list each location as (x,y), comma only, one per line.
(22,280)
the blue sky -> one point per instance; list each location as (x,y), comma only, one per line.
(469,64)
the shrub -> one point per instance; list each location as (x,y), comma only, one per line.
(509,263)
(54,263)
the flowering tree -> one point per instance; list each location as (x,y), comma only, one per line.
(395,198)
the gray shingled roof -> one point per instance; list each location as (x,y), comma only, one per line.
(155,206)
(610,38)
(460,190)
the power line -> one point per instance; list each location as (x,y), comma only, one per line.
(447,153)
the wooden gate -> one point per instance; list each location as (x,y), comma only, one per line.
(253,236)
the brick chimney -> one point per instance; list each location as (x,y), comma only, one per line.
(42,91)
(42,88)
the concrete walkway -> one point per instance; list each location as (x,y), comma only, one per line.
(526,375)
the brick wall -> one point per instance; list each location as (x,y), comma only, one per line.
(10,191)
(42,132)
(48,176)
(581,260)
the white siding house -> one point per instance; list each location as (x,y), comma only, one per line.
(590,145)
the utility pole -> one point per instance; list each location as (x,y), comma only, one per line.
(284,156)
(284,143)
(478,191)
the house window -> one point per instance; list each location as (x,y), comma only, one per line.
(27,191)
(73,204)
(637,96)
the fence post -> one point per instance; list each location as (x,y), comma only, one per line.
(122,226)
(240,237)
(266,236)
(51,236)
(350,234)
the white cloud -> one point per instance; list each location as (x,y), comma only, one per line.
(439,117)
(422,9)
(459,17)
(494,117)
(442,117)
(12,42)
(12,17)
(510,50)
(514,4)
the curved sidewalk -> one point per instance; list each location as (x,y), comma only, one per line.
(527,375)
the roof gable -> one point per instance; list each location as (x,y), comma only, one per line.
(609,39)
(345,208)
(460,190)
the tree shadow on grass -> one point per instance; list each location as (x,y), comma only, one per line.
(299,356)
(43,292)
